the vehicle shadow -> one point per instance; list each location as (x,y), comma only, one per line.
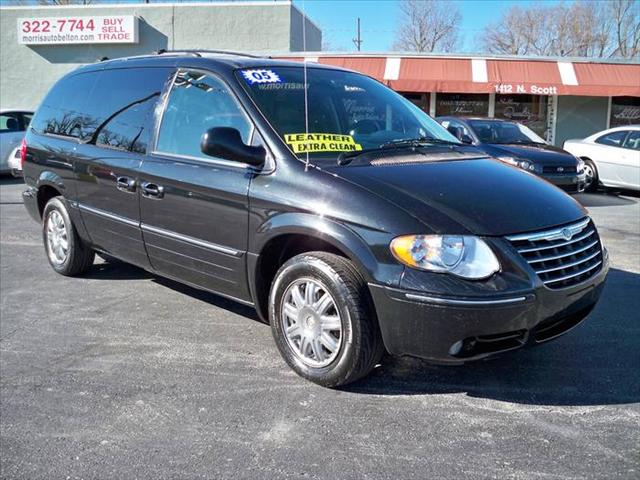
(10,180)
(607,198)
(598,363)
(210,298)
(113,269)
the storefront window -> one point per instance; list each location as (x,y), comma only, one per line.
(420,100)
(625,111)
(462,104)
(530,110)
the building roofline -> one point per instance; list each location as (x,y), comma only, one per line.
(461,56)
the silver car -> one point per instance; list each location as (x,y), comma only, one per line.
(13,124)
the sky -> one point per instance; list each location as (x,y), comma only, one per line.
(379,19)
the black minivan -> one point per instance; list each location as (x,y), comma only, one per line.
(352,221)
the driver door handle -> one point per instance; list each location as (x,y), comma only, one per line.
(151,190)
(126,184)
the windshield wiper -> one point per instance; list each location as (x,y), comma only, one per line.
(346,157)
(418,142)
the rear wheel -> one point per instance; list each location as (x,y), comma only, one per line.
(323,321)
(591,175)
(66,252)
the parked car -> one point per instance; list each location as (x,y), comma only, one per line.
(14,161)
(13,124)
(518,145)
(360,226)
(611,157)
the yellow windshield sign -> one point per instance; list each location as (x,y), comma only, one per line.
(321,142)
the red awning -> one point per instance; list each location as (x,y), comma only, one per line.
(608,79)
(478,75)
(436,75)
(372,66)
(521,76)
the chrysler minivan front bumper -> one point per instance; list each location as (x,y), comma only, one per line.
(457,329)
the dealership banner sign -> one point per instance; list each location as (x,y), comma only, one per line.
(78,30)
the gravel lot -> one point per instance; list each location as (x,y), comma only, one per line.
(121,374)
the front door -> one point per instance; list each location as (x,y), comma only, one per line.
(115,136)
(194,208)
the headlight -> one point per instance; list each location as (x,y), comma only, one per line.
(523,164)
(580,165)
(465,256)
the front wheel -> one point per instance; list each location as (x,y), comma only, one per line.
(66,252)
(591,175)
(323,320)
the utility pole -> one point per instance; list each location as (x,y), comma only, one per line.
(357,41)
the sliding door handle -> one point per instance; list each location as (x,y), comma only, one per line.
(151,190)
(126,184)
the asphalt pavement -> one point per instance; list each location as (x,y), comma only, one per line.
(121,374)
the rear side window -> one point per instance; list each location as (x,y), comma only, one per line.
(198,102)
(109,108)
(61,112)
(9,122)
(633,140)
(124,99)
(614,139)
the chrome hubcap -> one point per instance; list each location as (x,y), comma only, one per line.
(57,238)
(311,322)
(588,175)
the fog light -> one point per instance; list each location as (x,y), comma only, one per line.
(456,348)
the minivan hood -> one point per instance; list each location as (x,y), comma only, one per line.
(541,154)
(481,196)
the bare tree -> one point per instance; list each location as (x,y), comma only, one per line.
(428,26)
(581,28)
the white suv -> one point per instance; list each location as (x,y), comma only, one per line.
(13,124)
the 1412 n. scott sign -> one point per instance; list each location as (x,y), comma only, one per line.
(74,30)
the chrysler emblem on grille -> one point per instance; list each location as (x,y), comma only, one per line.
(567,233)
(561,169)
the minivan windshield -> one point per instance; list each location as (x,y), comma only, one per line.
(492,131)
(343,112)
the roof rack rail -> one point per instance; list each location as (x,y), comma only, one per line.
(102,59)
(198,52)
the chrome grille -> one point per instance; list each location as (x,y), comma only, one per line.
(563,256)
(558,169)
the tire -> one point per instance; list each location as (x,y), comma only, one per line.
(58,230)
(357,346)
(591,173)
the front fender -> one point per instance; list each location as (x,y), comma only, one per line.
(367,248)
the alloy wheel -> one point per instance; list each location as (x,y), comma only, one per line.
(311,322)
(57,238)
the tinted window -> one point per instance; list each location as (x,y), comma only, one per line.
(61,110)
(624,111)
(489,131)
(633,140)
(198,102)
(26,120)
(462,104)
(614,139)
(119,118)
(529,110)
(9,122)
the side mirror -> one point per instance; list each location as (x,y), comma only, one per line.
(466,139)
(226,143)
(458,132)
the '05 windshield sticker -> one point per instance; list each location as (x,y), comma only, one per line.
(321,142)
(261,76)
